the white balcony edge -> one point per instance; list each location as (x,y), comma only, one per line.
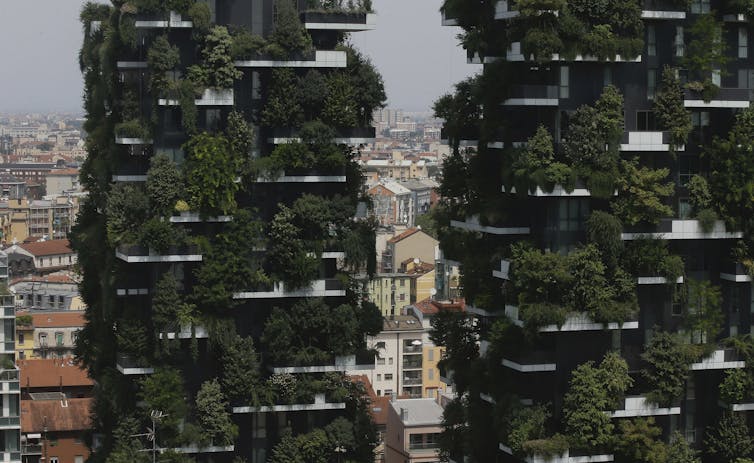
(735,278)
(487,398)
(132,141)
(656,280)
(475,226)
(131,291)
(200,332)
(686,230)
(135,371)
(574,322)
(743,407)
(371,24)
(210,97)
(715,104)
(192,449)
(153,258)
(131,65)
(304,179)
(193,217)
(322,59)
(129,178)
(657,14)
(317,289)
(336,140)
(529,368)
(290,408)
(716,361)
(639,406)
(531,102)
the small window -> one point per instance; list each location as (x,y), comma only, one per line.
(390,361)
(379,377)
(20,338)
(43,339)
(651,41)
(564,88)
(402,297)
(651,83)
(388,376)
(699,6)
(58,339)
(380,361)
(431,355)
(645,120)
(54,460)
(403,283)
(743,42)
(680,46)
(431,374)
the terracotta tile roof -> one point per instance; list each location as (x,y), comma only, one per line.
(66,172)
(49,278)
(52,373)
(48,248)
(430,307)
(38,414)
(378,405)
(58,319)
(404,235)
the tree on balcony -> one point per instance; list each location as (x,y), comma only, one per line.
(668,358)
(705,54)
(282,108)
(638,440)
(671,113)
(212,412)
(703,316)
(164,391)
(371,89)
(161,58)
(461,110)
(287,255)
(211,170)
(241,375)
(217,69)
(641,194)
(164,185)
(289,34)
(730,438)
(127,206)
(339,110)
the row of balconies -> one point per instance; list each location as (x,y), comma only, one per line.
(337,21)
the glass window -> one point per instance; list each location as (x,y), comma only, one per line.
(699,6)
(651,41)
(680,47)
(651,83)
(43,339)
(572,214)
(390,360)
(564,78)
(607,76)
(388,376)
(743,42)
(431,373)
(379,377)
(688,167)
(58,339)
(431,355)
(645,120)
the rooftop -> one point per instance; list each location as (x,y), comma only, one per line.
(56,415)
(48,248)
(418,412)
(401,323)
(70,318)
(404,235)
(45,373)
(430,307)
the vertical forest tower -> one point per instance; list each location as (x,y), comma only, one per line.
(598,200)
(224,238)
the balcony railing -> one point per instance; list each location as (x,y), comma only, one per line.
(412,381)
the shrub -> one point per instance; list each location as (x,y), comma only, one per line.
(126,209)
(641,194)
(730,438)
(287,255)
(217,58)
(551,447)
(737,386)
(707,219)
(159,234)
(527,424)
(246,45)
(211,170)
(604,230)
(133,128)
(670,110)
(669,359)
(212,411)
(161,58)
(200,16)
(164,185)
(289,33)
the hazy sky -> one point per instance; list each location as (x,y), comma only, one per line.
(40,39)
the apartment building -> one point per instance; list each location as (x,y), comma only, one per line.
(674,81)
(413,431)
(275,151)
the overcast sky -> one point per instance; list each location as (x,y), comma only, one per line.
(40,39)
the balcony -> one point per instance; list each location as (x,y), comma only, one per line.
(132,141)
(339,21)
(725,98)
(735,18)
(735,272)
(363,360)
(469,137)
(654,280)
(343,135)
(472,224)
(515,53)
(303,179)
(647,142)
(412,364)
(195,449)
(321,59)
(319,404)
(558,191)
(721,359)
(503,11)
(639,406)
(678,229)
(448,18)
(194,217)
(127,365)
(564,458)
(160,21)
(131,65)
(504,272)
(184,332)
(412,381)
(574,322)
(331,287)
(210,97)
(141,254)
(532,95)
(532,362)
(661,10)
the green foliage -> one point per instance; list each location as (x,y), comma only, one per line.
(287,255)
(218,60)
(338,109)
(246,45)
(311,333)
(164,185)
(127,207)
(168,305)
(461,110)
(671,113)
(127,29)
(604,230)
(594,390)
(229,263)
(641,194)
(651,257)
(680,451)
(547,448)
(289,33)
(317,154)
(200,16)
(186,89)
(240,365)
(24,320)
(369,89)
(705,51)
(704,316)
(282,108)
(457,332)
(638,441)
(669,359)
(134,128)
(527,424)
(730,438)
(212,411)
(211,170)
(127,448)
(737,386)
(161,58)
(158,234)
(240,134)
(732,173)
(164,391)
(699,193)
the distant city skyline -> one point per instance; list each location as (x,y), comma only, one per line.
(418,58)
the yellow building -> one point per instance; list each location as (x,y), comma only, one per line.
(392,292)
(24,337)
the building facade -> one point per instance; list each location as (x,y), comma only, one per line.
(229,224)
(413,430)
(600,152)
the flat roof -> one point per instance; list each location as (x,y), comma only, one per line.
(418,412)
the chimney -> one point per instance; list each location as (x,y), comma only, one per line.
(404,414)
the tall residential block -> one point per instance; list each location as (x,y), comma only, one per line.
(220,239)
(598,201)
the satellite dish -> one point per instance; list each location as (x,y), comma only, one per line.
(432,292)
(417,261)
